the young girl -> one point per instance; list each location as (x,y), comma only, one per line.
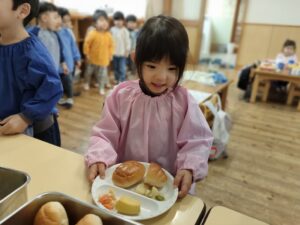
(288,54)
(29,83)
(154,119)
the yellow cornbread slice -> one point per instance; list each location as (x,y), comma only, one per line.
(127,205)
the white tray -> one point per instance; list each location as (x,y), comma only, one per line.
(149,207)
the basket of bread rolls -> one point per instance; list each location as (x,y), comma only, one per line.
(55,208)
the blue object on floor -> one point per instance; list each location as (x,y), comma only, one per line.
(205,61)
(219,78)
(217,61)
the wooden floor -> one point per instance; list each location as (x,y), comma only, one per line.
(261,177)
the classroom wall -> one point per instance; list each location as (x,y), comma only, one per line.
(186,9)
(280,12)
(137,7)
(264,31)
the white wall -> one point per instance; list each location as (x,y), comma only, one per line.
(136,7)
(186,9)
(283,12)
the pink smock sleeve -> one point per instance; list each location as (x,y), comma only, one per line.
(194,141)
(105,134)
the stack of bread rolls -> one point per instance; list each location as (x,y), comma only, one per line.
(54,213)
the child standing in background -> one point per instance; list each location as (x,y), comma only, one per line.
(66,20)
(72,56)
(122,46)
(29,82)
(88,30)
(154,119)
(48,24)
(93,26)
(98,48)
(131,23)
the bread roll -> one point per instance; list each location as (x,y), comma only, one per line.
(155,176)
(51,213)
(128,174)
(90,219)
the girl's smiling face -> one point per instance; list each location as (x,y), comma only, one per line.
(158,76)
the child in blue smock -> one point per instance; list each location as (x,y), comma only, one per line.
(30,85)
(72,57)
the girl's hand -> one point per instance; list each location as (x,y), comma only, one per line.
(95,170)
(183,180)
(14,124)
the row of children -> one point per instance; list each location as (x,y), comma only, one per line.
(61,56)
(30,86)
(102,45)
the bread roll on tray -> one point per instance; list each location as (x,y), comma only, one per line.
(128,173)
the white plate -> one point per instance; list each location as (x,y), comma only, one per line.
(149,207)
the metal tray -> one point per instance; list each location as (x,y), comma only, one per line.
(75,209)
(13,190)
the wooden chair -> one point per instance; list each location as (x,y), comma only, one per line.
(294,91)
(264,86)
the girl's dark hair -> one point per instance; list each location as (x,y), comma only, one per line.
(131,18)
(34,4)
(162,36)
(47,7)
(63,12)
(118,16)
(99,13)
(289,42)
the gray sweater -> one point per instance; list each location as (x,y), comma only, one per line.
(50,40)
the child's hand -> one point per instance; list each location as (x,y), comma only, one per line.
(14,124)
(183,180)
(65,68)
(78,64)
(95,169)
